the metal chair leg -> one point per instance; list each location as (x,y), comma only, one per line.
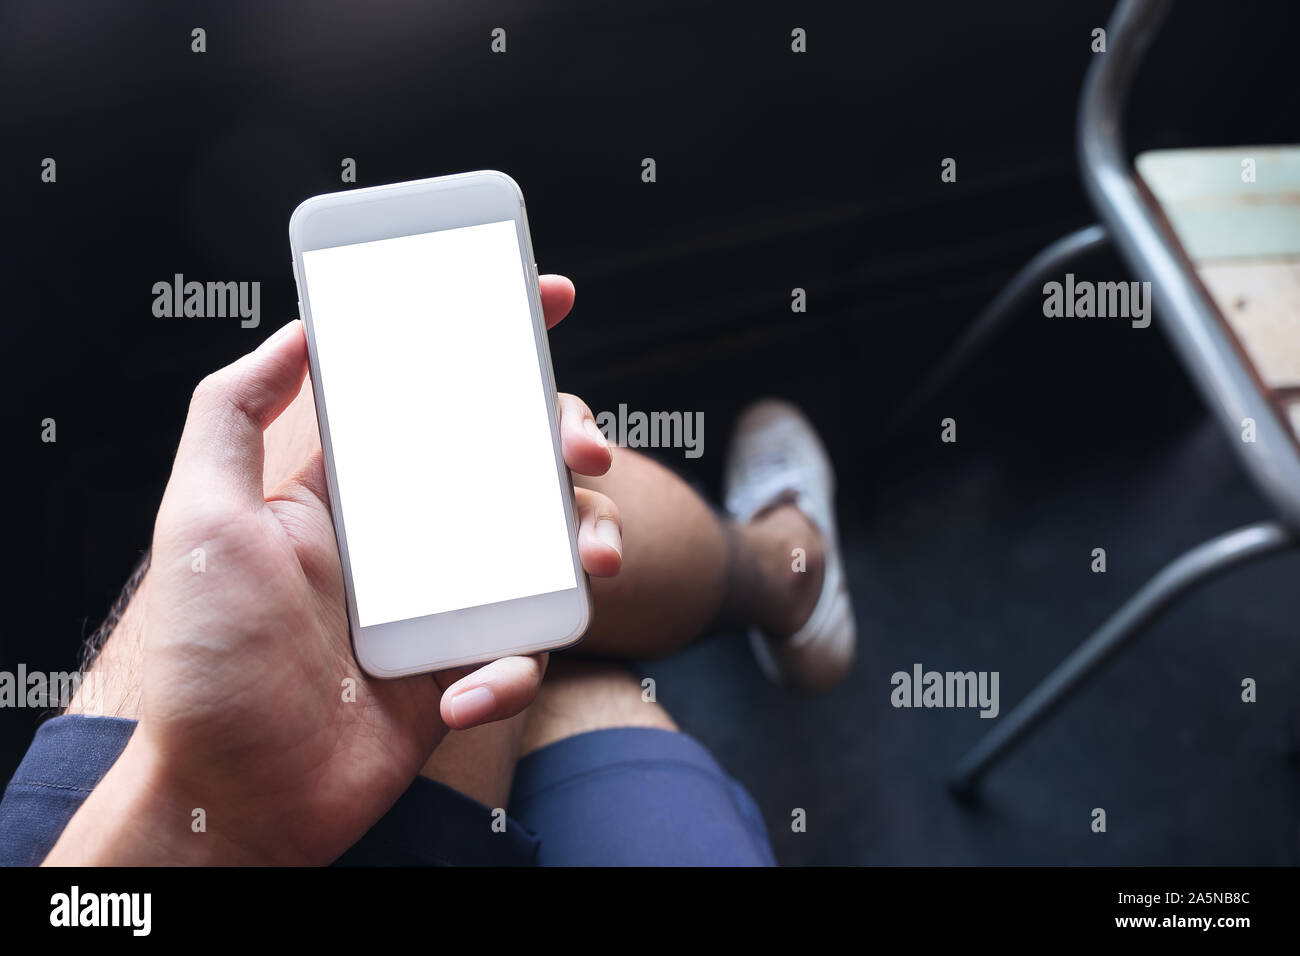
(1192,567)
(1048,262)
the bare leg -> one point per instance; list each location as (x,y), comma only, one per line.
(577,696)
(480,763)
(580,696)
(684,567)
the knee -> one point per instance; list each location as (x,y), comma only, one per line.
(579,696)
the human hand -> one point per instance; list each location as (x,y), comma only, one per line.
(243,710)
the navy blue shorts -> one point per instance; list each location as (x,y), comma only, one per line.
(628,796)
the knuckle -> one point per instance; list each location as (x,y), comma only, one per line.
(600,506)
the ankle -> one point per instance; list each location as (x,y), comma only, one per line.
(791,558)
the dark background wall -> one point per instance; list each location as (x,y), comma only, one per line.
(774,171)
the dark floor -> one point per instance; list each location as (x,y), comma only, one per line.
(976,556)
(986,566)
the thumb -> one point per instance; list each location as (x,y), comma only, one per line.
(220,453)
(495,691)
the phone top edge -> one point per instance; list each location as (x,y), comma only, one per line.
(385,190)
(406,208)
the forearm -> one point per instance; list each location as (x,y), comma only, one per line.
(136,817)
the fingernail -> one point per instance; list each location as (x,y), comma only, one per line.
(473,705)
(594,431)
(607,532)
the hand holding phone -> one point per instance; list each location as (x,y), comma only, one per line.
(252,705)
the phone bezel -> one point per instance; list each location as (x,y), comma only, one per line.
(470,635)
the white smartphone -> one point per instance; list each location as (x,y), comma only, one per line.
(452,505)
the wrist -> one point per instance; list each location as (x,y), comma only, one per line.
(138,815)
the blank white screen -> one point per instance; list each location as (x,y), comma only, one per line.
(447,479)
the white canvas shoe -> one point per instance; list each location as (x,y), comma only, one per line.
(776,458)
